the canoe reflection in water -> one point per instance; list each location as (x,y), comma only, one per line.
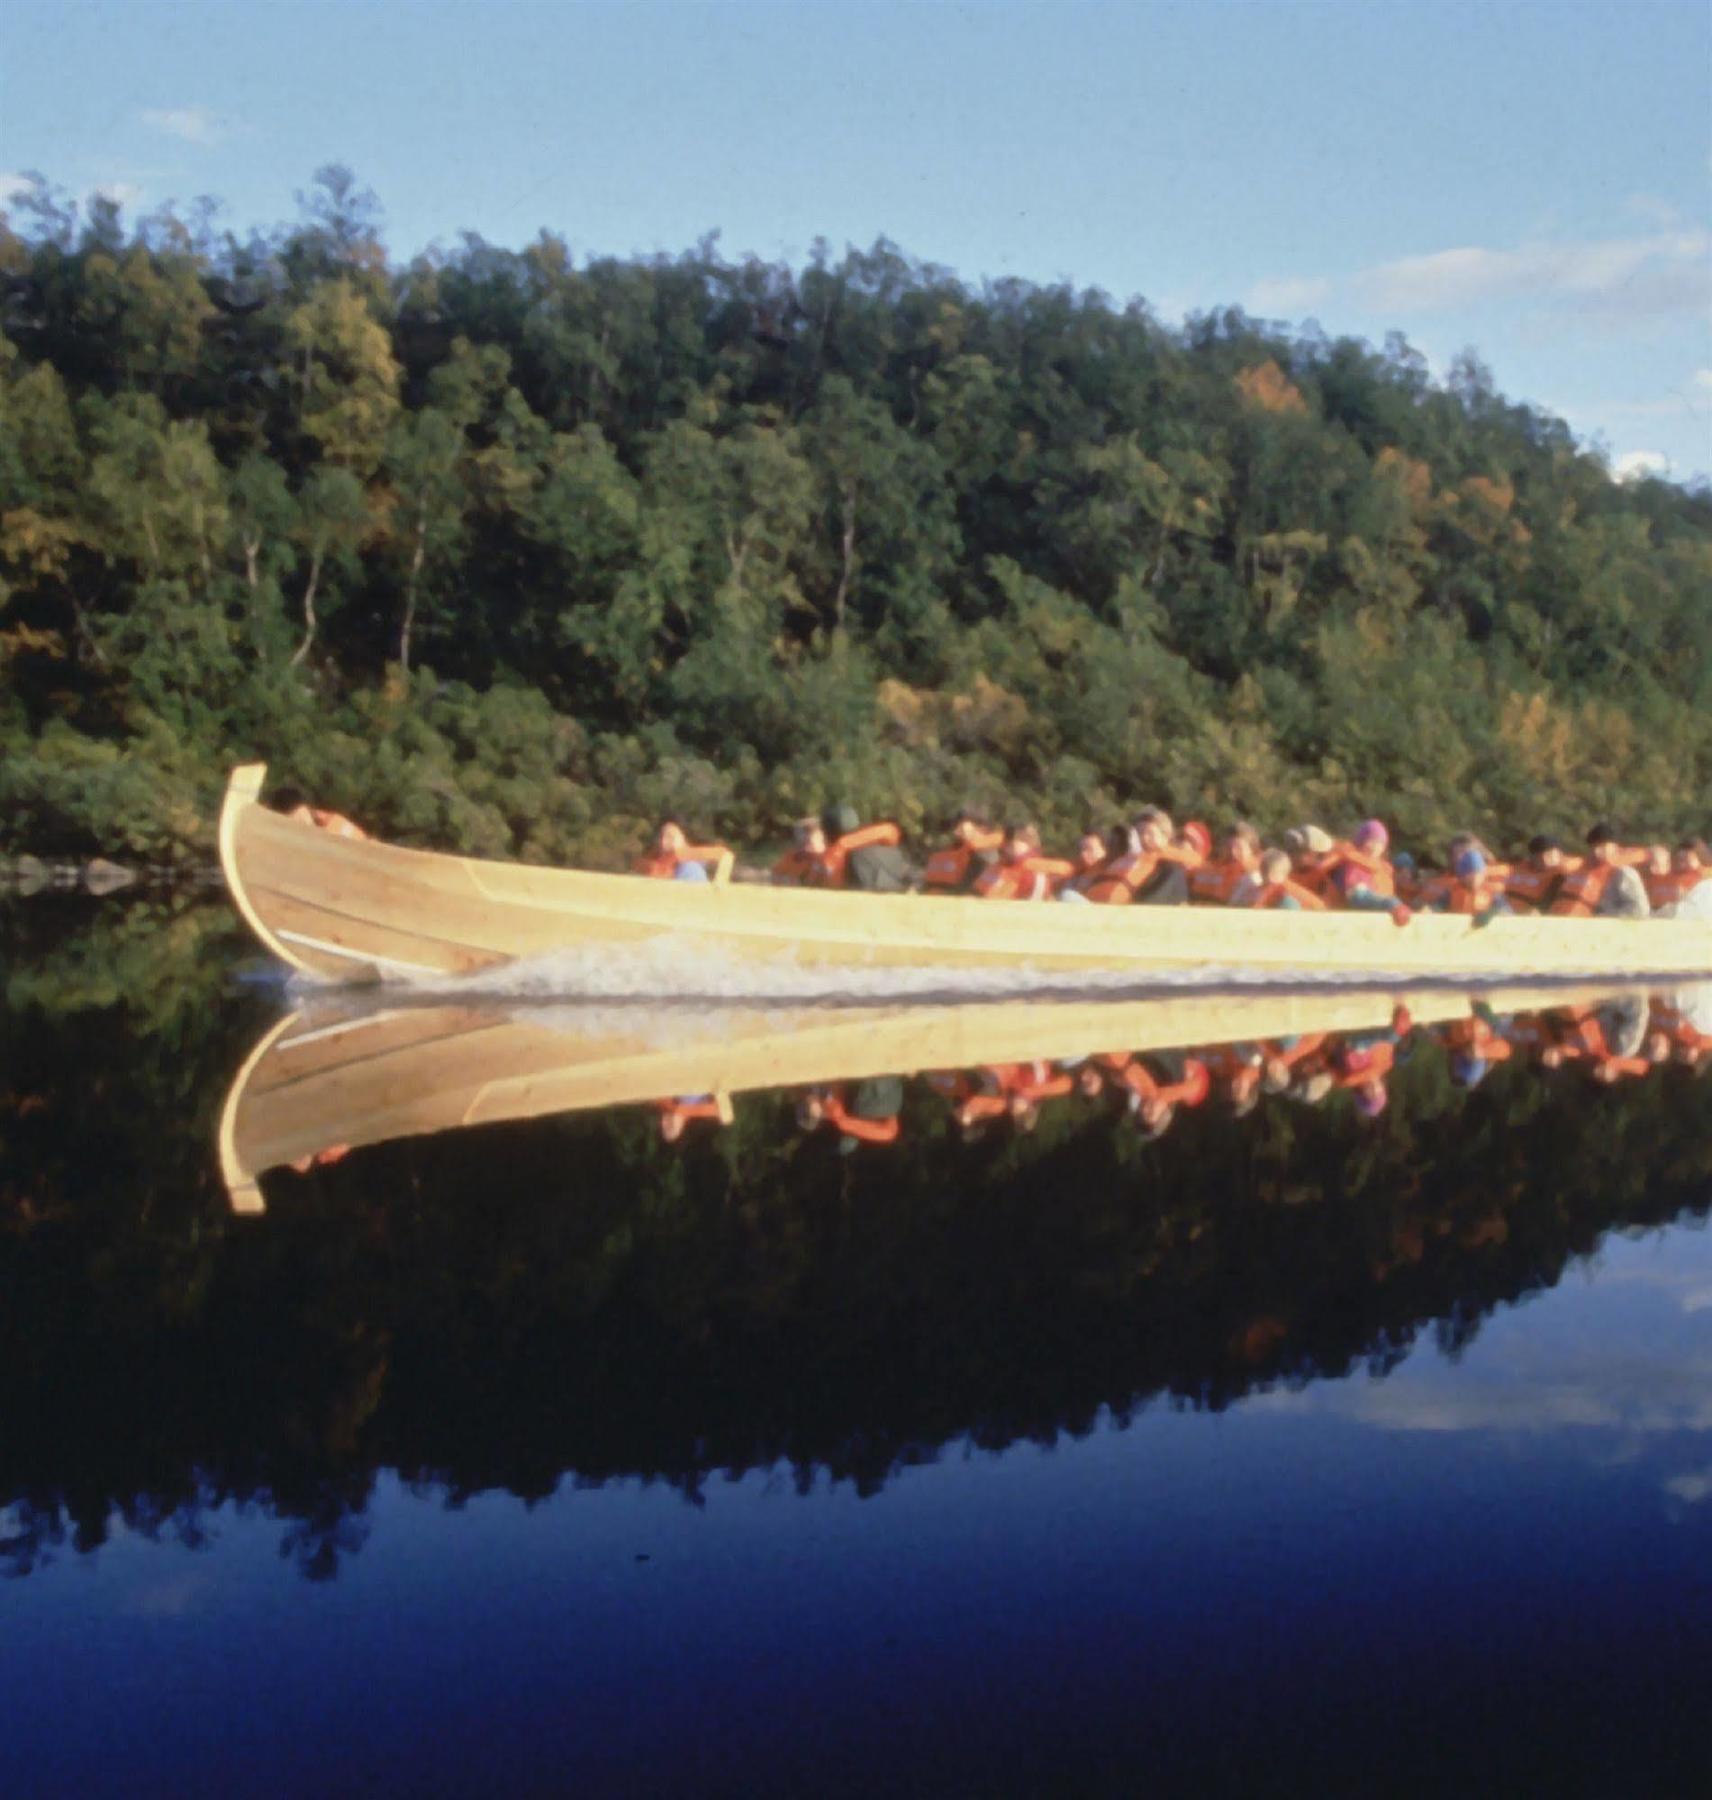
(324,1081)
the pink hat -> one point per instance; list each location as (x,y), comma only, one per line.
(1371,831)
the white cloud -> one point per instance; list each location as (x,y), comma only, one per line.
(1700,383)
(194,124)
(1653,273)
(1662,272)
(1634,464)
(121,193)
(1287,294)
(11,186)
(1690,1489)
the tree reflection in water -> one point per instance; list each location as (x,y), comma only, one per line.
(582,1298)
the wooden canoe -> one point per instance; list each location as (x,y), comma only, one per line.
(342,1075)
(360,910)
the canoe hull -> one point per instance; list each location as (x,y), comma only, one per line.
(349,910)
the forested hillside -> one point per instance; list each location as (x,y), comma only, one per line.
(512,551)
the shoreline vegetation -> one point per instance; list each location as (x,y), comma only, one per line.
(512,553)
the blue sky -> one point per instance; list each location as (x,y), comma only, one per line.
(1532,179)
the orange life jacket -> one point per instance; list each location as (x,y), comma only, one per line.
(1536,888)
(1667,889)
(829,870)
(953,869)
(1581,892)
(1132,877)
(1031,878)
(1454,894)
(1275,892)
(1214,883)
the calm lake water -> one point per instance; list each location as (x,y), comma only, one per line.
(1319,1444)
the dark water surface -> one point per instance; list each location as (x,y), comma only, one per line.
(1293,1452)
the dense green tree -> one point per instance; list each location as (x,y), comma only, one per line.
(770,536)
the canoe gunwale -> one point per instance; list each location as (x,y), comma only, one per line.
(346,910)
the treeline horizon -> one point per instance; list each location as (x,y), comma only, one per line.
(499,550)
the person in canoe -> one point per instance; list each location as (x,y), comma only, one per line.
(1672,875)
(1607,885)
(1022,871)
(1534,884)
(1357,874)
(674,858)
(1090,860)
(1274,885)
(1222,878)
(1473,885)
(678,1112)
(958,865)
(1155,872)
(291,802)
(861,856)
(801,862)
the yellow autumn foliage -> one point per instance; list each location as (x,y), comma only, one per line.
(1267,386)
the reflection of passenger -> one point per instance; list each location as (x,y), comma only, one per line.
(678,1113)
(1614,1041)
(1683,1026)
(1150,1087)
(1014,1091)
(1474,1045)
(319,1159)
(869,1115)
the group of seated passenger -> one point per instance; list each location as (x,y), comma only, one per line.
(1611,1041)
(1150,861)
